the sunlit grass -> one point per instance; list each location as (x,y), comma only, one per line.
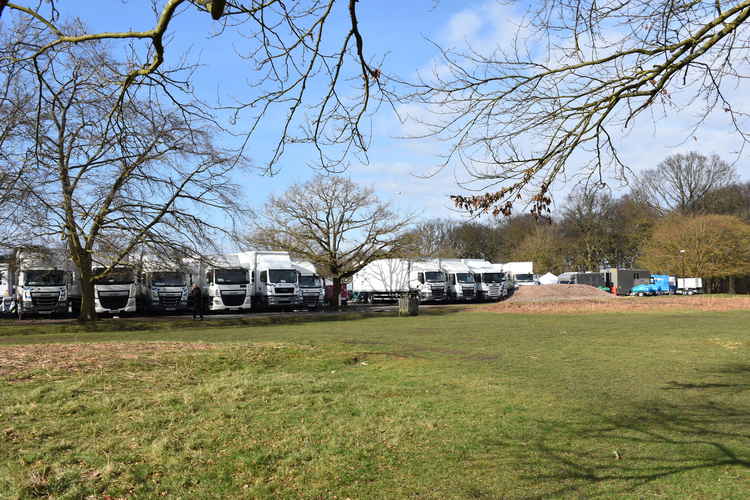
(464,405)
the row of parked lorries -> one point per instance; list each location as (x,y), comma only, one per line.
(439,280)
(44,283)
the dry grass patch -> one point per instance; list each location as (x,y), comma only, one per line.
(23,360)
(576,301)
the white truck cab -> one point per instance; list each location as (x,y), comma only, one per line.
(164,290)
(116,292)
(275,278)
(461,284)
(226,285)
(311,284)
(490,279)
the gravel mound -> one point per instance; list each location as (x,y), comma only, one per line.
(554,293)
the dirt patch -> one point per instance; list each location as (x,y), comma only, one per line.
(582,299)
(26,359)
(548,293)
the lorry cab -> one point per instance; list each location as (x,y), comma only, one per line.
(117,291)
(165,290)
(274,276)
(278,287)
(490,285)
(228,289)
(313,290)
(462,286)
(491,280)
(430,284)
(525,279)
(311,284)
(461,283)
(42,291)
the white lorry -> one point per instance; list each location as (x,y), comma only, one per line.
(225,283)
(521,273)
(41,282)
(164,287)
(275,279)
(461,284)
(117,292)
(311,284)
(689,286)
(387,279)
(490,279)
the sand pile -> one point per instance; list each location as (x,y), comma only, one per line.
(551,293)
(577,299)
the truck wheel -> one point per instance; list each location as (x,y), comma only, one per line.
(640,294)
(690,292)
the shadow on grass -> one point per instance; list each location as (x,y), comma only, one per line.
(618,454)
(35,327)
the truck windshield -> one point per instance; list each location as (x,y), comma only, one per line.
(168,278)
(231,276)
(493,277)
(45,278)
(465,277)
(434,276)
(309,281)
(117,276)
(524,277)
(282,276)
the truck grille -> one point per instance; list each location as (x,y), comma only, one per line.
(468,292)
(45,302)
(171,300)
(284,290)
(310,299)
(233,300)
(438,292)
(113,301)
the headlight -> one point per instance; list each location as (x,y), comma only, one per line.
(184,294)
(26,295)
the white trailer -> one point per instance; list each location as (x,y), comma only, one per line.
(275,278)
(387,279)
(522,273)
(225,283)
(490,279)
(460,280)
(311,284)
(689,286)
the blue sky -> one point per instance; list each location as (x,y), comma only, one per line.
(397,32)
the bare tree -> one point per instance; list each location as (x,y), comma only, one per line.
(682,181)
(577,75)
(333,223)
(105,168)
(432,238)
(296,62)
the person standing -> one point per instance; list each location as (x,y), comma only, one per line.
(196,295)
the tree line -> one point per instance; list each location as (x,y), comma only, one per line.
(690,215)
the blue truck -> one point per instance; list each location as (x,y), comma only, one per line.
(659,284)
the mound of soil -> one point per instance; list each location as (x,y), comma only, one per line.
(551,299)
(549,293)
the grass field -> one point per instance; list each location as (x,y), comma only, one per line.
(453,405)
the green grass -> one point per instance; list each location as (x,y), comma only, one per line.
(464,405)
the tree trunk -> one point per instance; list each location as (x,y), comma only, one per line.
(731,284)
(88,308)
(336,293)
